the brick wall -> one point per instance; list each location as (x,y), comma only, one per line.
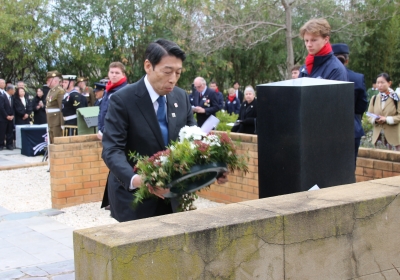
(78,174)
(376,163)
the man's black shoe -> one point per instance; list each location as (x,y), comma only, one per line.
(9,148)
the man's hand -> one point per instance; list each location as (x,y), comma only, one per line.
(25,117)
(223,179)
(160,192)
(99,135)
(10,118)
(198,109)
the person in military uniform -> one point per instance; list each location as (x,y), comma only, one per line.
(71,102)
(86,91)
(54,104)
(99,92)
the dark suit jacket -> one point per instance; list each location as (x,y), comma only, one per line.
(240,96)
(3,112)
(21,110)
(131,125)
(360,101)
(9,109)
(248,118)
(213,107)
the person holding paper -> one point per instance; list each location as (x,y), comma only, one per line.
(205,101)
(246,122)
(384,113)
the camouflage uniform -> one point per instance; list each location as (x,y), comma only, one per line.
(88,92)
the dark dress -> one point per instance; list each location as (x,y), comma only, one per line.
(21,109)
(39,114)
(247,118)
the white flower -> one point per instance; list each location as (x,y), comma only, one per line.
(212,140)
(163,159)
(191,133)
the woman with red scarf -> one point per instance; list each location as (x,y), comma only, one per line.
(320,61)
(117,80)
(232,103)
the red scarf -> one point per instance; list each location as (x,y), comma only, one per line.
(310,58)
(231,98)
(110,85)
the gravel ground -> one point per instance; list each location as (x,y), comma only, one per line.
(34,195)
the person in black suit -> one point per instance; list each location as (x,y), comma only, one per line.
(22,107)
(39,108)
(342,52)
(213,85)
(246,122)
(205,101)
(6,118)
(239,93)
(144,117)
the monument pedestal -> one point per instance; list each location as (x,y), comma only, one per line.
(305,135)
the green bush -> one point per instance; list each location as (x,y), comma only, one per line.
(224,119)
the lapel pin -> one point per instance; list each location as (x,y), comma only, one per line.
(173,114)
(176,105)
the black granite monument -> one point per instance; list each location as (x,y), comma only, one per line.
(305,135)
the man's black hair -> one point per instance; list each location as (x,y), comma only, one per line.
(160,48)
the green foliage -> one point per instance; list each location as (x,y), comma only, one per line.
(224,119)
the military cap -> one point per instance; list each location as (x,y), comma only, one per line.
(340,48)
(82,79)
(99,86)
(69,77)
(53,74)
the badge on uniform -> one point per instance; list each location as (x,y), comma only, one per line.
(76,103)
(173,115)
(176,105)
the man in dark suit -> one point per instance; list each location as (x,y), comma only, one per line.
(213,85)
(342,52)
(205,101)
(144,117)
(239,93)
(6,118)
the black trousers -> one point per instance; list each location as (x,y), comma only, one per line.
(6,132)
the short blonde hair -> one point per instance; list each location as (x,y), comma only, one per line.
(231,90)
(317,27)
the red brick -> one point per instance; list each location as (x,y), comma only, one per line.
(98,190)
(73,160)
(241,194)
(98,177)
(58,201)
(64,167)
(236,199)
(362,178)
(75,200)
(383,165)
(57,161)
(61,154)
(83,192)
(396,167)
(253,183)
(359,171)
(90,158)
(91,184)
(368,172)
(252,196)
(58,174)
(89,145)
(90,171)
(248,189)
(64,194)
(377,174)
(92,197)
(72,147)
(61,140)
(103,182)
(82,165)
(97,163)
(104,169)
(78,153)
(57,188)
(74,173)
(61,181)
(81,179)
(73,186)
(364,162)
(56,148)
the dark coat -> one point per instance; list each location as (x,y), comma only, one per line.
(326,67)
(240,96)
(360,101)
(209,101)
(39,114)
(247,118)
(20,110)
(6,126)
(220,98)
(232,107)
(104,106)
(131,125)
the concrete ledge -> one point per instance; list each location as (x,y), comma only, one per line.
(344,232)
(25,165)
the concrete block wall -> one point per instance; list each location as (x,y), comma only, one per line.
(77,172)
(343,232)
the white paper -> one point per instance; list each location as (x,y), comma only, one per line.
(372,115)
(314,188)
(210,124)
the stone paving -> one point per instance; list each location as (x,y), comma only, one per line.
(33,245)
